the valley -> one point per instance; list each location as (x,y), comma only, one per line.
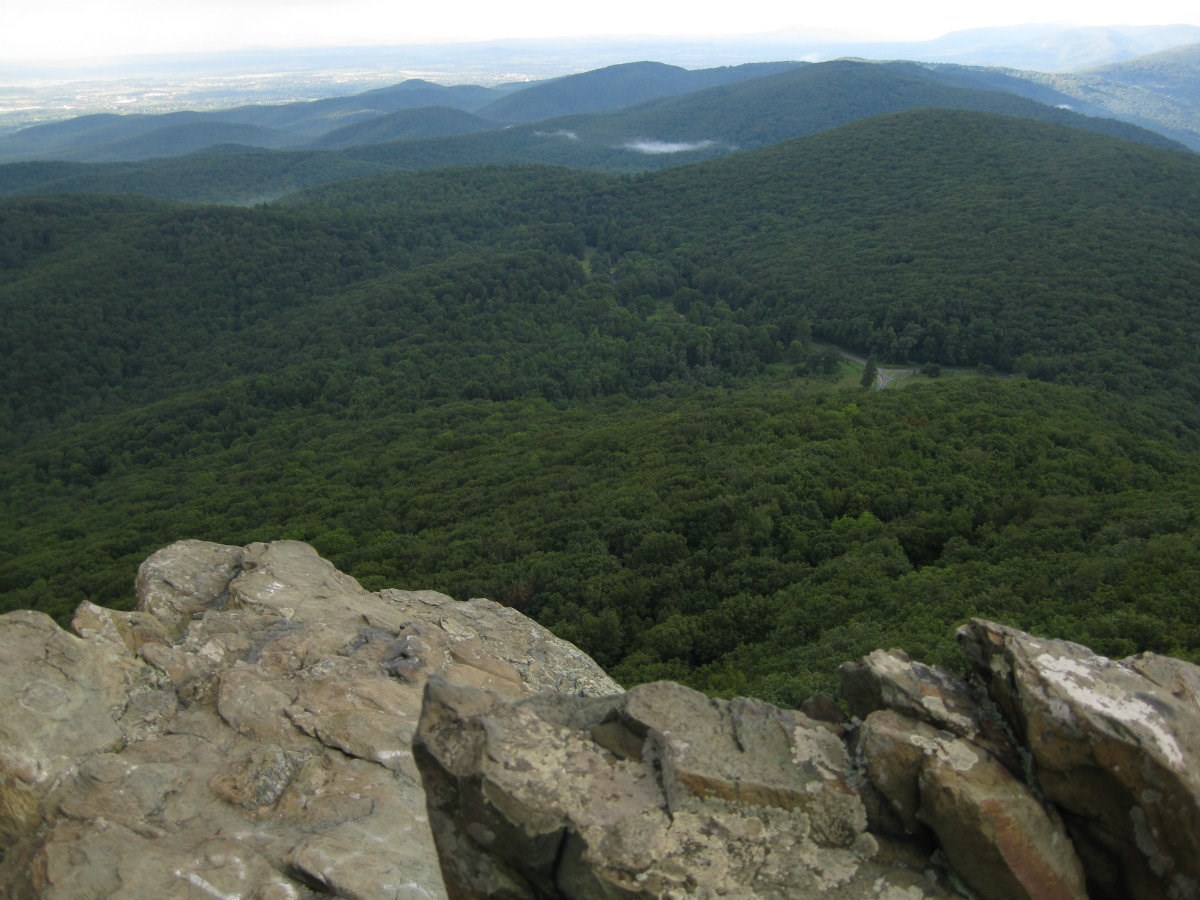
(524,361)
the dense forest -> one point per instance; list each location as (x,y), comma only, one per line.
(609,400)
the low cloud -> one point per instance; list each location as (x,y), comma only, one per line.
(645,146)
(569,135)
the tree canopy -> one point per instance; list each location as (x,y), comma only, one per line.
(597,397)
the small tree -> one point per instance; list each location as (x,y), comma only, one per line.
(869,373)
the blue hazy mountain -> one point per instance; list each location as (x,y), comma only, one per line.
(618,87)
(601,120)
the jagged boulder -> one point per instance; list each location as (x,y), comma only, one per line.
(889,679)
(246,731)
(1002,842)
(995,833)
(660,792)
(63,698)
(938,755)
(1115,746)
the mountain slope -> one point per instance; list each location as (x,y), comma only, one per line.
(178,140)
(104,137)
(823,96)
(405,125)
(943,236)
(75,137)
(617,87)
(918,235)
(1173,70)
(1160,91)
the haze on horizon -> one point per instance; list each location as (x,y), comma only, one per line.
(59,31)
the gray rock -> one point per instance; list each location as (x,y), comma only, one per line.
(824,708)
(659,792)
(246,731)
(996,835)
(889,679)
(63,699)
(1115,747)
(892,761)
(186,578)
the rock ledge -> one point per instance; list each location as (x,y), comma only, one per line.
(260,726)
(245,732)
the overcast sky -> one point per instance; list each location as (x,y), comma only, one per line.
(46,30)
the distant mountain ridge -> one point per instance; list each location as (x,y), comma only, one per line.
(201,157)
(113,138)
(1159,91)
(727,107)
(1049,47)
(618,87)
(99,138)
(819,96)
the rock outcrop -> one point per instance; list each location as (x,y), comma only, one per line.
(261,726)
(660,792)
(1115,747)
(245,732)
(1050,772)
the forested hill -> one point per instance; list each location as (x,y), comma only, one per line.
(1160,91)
(951,237)
(947,237)
(595,397)
(815,98)
(618,87)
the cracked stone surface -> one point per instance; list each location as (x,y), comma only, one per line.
(1114,746)
(889,679)
(1000,840)
(660,792)
(245,732)
(260,727)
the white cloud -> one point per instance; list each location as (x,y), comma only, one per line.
(656,147)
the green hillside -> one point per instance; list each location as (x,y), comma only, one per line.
(595,397)
(1159,91)
(405,125)
(950,237)
(819,97)
(617,87)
